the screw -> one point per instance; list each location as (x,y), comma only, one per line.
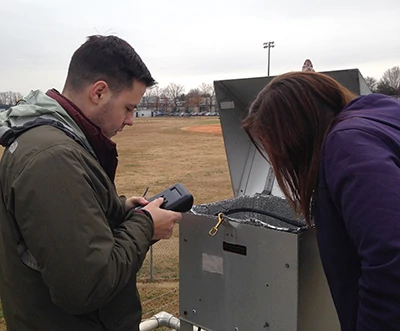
(266,325)
(287,265)
(194,311)
(236,328)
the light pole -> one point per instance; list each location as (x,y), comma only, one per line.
(269,45)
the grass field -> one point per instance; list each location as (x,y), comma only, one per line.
(157,153)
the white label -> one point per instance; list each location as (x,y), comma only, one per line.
(214,264)
(227,105)
(13,147)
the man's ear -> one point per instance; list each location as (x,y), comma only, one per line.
(98,92)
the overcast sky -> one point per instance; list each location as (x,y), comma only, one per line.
(191,42)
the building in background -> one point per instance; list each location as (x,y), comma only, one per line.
(144,113)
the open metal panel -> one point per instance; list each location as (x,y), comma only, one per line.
(250,172)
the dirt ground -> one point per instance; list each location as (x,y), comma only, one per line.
(211,128)
(157,153)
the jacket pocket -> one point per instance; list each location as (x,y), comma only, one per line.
(124,311)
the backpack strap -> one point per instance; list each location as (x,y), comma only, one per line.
(7,137)
(9,134)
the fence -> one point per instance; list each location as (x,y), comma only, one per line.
(158,279)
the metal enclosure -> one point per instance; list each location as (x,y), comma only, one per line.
(278,285)
(259,272)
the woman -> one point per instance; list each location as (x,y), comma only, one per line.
(336,157)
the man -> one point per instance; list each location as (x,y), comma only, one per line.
(70,247)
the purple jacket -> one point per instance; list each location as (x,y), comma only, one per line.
(357,214)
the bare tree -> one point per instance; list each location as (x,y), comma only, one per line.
(207,91)
(173,91)
(148,98)
(164,100)
(193,99)
(390,82)
(372,83)
(152,98)
(10,98)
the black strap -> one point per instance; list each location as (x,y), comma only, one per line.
(8,135)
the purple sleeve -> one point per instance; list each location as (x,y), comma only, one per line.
(363,177)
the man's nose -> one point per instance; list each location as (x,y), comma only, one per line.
(129,119)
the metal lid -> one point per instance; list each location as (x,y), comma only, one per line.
(250,172)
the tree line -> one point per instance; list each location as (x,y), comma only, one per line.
(9,98)
(173,97)
(388,84)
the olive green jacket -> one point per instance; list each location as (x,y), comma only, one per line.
(62,266)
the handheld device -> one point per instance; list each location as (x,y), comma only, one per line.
(176,198)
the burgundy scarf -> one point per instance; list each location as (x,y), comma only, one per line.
(104,148)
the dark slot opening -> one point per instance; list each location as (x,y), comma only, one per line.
(233,248)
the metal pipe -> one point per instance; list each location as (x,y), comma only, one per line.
(161,319)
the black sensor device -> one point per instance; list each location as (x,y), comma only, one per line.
(176,198)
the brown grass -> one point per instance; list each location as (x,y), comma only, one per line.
(212,128)
(158,152)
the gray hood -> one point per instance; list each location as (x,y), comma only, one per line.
(37,105)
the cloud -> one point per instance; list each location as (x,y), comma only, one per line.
(189,44)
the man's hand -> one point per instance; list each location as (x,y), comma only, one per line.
(164,220)
(135,201)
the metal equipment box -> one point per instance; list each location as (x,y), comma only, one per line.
(261,270)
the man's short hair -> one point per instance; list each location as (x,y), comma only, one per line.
(107,58)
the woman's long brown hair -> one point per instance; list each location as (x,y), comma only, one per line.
(289,120)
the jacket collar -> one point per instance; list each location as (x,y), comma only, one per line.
(104,148)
